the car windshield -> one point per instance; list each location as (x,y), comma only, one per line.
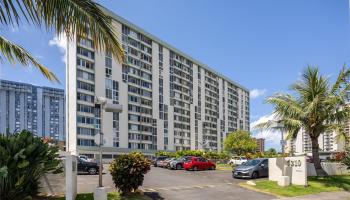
(251,162)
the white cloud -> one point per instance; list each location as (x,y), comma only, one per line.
(255,93)
(272,138)
(61,43)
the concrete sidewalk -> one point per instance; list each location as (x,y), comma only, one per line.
(342,195)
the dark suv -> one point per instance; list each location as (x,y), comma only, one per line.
(85,166)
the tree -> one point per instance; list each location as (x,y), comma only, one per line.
(316,107)
(68,17)
(240,142)
(24,158)
(271,152)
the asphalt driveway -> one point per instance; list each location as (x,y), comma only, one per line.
(167,184)
(180,184)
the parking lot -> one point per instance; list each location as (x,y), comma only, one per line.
(162,183)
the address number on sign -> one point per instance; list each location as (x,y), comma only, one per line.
(294,163)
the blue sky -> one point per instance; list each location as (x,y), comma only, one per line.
(263,45)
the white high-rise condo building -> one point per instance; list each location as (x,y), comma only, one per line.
(328,142)
(170,100)
(39,110)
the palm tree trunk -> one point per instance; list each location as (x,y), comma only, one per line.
(316,157)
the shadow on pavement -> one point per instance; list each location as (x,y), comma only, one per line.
(154,195)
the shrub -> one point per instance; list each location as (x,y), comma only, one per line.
(128,171)
(189,153)
(224,155)
(346,160)
(165,153)
(249,156)
(23,160)
(339,156)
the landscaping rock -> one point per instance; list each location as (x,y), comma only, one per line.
(251,183)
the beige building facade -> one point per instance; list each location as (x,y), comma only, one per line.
(170,100)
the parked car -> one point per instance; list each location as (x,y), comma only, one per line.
(161,162)
(86,158)
(198,163)
(167,162)
(252,169)
(237,160)
(157,159)
(179,162)
(85,166)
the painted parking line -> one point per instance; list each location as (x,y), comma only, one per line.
(183,187)
(166,189)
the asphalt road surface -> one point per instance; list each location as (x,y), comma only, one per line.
(167,184)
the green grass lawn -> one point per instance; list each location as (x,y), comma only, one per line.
(222,166)
(316,185)
(90,196)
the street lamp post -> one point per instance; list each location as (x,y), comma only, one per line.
(100,146)
(107,107)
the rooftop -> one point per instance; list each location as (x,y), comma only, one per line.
(170,47)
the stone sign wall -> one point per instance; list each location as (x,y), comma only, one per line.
(293,167)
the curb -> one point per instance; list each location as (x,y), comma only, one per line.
(243,185)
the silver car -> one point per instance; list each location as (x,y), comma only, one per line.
(179,162)
(252,169)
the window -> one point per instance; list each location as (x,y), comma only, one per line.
(85,120)
(108,72)
(108,62)
(85,108)
(86,86)
(85,131)
(85,75)
(85,63)
(86,42)
(85,142)
(85,52)
(85,97)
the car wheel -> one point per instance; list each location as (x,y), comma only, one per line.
(195,168)
(212,168)
(255,175)
(92,171)
(178,166)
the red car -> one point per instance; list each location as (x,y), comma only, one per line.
(199,163)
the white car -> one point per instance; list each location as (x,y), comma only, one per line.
(237,160)
(86,158)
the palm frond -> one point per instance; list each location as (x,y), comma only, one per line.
(82,18)
(285,106)
(342,79)
(311,85)
(339,129)
(14,53)
(293,133)
(268,125)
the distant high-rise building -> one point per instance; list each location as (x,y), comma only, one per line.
(40,110)
(170,100)
(328,142)
(260,142)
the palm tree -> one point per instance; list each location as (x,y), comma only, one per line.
(317,107)
(69,17)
